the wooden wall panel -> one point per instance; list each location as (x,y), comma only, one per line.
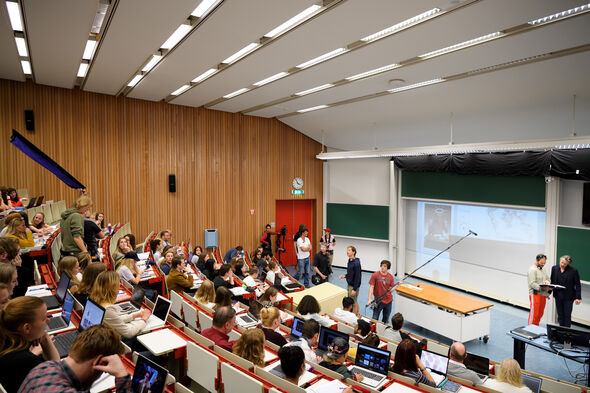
(123,149)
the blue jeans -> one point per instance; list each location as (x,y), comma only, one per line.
(303,267)
(386,308)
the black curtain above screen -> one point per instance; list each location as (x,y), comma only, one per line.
(558,163)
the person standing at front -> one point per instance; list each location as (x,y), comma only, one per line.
(330,242)
(353,275)
(381,283)
(303,253)
(567,276)
(537,294)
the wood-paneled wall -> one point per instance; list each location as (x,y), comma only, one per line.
(123,150)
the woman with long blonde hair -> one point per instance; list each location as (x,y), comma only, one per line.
(71,266)
(271,320)
(129,271)
(250,346)
(206,294)
(18,229)
(509,378)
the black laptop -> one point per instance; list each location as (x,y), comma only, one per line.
(31,203)
(532,382)
(62,321)
(55,301)
(93,315)
(328,335)
(40,200)
(372,363)
(479,364)
(297,328)
(148,376)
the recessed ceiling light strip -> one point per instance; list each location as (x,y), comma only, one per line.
(440,52)
(401,26)
(463,75)
(17,22)
(299,19)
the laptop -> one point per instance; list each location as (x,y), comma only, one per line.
(525,333)
(437,365)
(31,203)
(372,363)
(297,328)
(55,301)
(532,382)
(479,364)
(159,314)
(246,319)
(148,376)
(62,321)
(326,337)
(93,315)
(134,304)
(39,200)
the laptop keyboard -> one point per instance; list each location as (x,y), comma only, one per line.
(56,323)
(63,342)
(366,373)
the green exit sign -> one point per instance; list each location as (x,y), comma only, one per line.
(297,192)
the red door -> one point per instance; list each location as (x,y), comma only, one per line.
(292,213)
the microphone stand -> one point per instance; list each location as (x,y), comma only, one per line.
(379,298)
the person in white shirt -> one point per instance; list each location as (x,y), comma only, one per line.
(310,332)
(250,279)
(309,308)
(303,252)
(273,272)
(509,379)
(345,313)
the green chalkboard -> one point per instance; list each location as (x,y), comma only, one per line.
(505,190)
(368,221)
(575,242)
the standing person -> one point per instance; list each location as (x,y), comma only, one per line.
(303,252)
(72,227)
(381,283)
(537,294)
(296,237)
(92,232)
(567,276)
(321,263)
(266,240)
(330,243)
(353,275)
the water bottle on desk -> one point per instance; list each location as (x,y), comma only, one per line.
(109,228)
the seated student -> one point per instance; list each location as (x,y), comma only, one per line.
(166,263)
(509,379)
(7,220)
(211,267)
(92,232)
(180,278)
(23,340)
(94,351)
(271,320)
(14,198)
(292,363)
(4,295)
(269,297)
(5,203)
(250,279)
(225,278)
(345,313)
(104,292)
(99,220)
(233,253)
(371,340)
(206,294)
(131,241)
(274,275)
(122,249)
(156,247)
(457,355)
(166,236)
(335,358)
(395,333)
(71,266)
(361,330)
(310,332)
(408,364)
(88,278)
(84,259)
(224,321)
(18,230)
(9,277)
(309,308)
(262,265)
(129,271)
(222,298)
(242,270)
(250,346)
(38,224)
(197,251)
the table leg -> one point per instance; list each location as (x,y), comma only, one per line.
(519,352)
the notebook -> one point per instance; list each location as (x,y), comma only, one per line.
(148,376)
(62,321)
(328,335)
(93,315)
(55,301)
(372,363)
(159,314)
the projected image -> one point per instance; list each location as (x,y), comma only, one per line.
(437,224)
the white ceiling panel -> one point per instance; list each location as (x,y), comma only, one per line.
(57,34)
(137,30)
(9,63)
(235,24)
(470,22)
(321,35)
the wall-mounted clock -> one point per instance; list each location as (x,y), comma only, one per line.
(297,183)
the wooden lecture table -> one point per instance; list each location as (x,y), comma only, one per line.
(328,295)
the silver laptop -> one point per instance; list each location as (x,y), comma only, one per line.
(134,304)
(159,314)
(372,363)
(246,319)
(62,321)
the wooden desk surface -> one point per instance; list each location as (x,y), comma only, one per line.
(441,297)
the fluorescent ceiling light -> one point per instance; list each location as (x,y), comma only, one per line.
(461,45)
(150,64)
(248,48)
(89,49)
(14,16)
(180,90)
(562,14)
(82,70)
(26,67)
(324,57)
(313,108)
(202,8)
(135,80)
(178,35)
(204,75)
(400,26)
(21,46)
(416,85)
(293,21)
(236,93)
(372,72)
(313,90)
(271,78)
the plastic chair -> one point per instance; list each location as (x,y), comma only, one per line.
(205,321)
(234,380)
(202,367)
(176,306)
(204,341)
(190,315)
(344,328)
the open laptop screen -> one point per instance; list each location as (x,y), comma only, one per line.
(533,383)
(328,335)
(62,287)
(297,329)
(161,308)
(148,376)
(68,306)
(137,296)
(435,362)
(372,358)
(479,364)
(93,315)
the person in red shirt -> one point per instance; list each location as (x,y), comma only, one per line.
(224,321)
(266,241)
(381,283)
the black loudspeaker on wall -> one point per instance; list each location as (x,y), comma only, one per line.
(172,183)
(586,205)
(29,120)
